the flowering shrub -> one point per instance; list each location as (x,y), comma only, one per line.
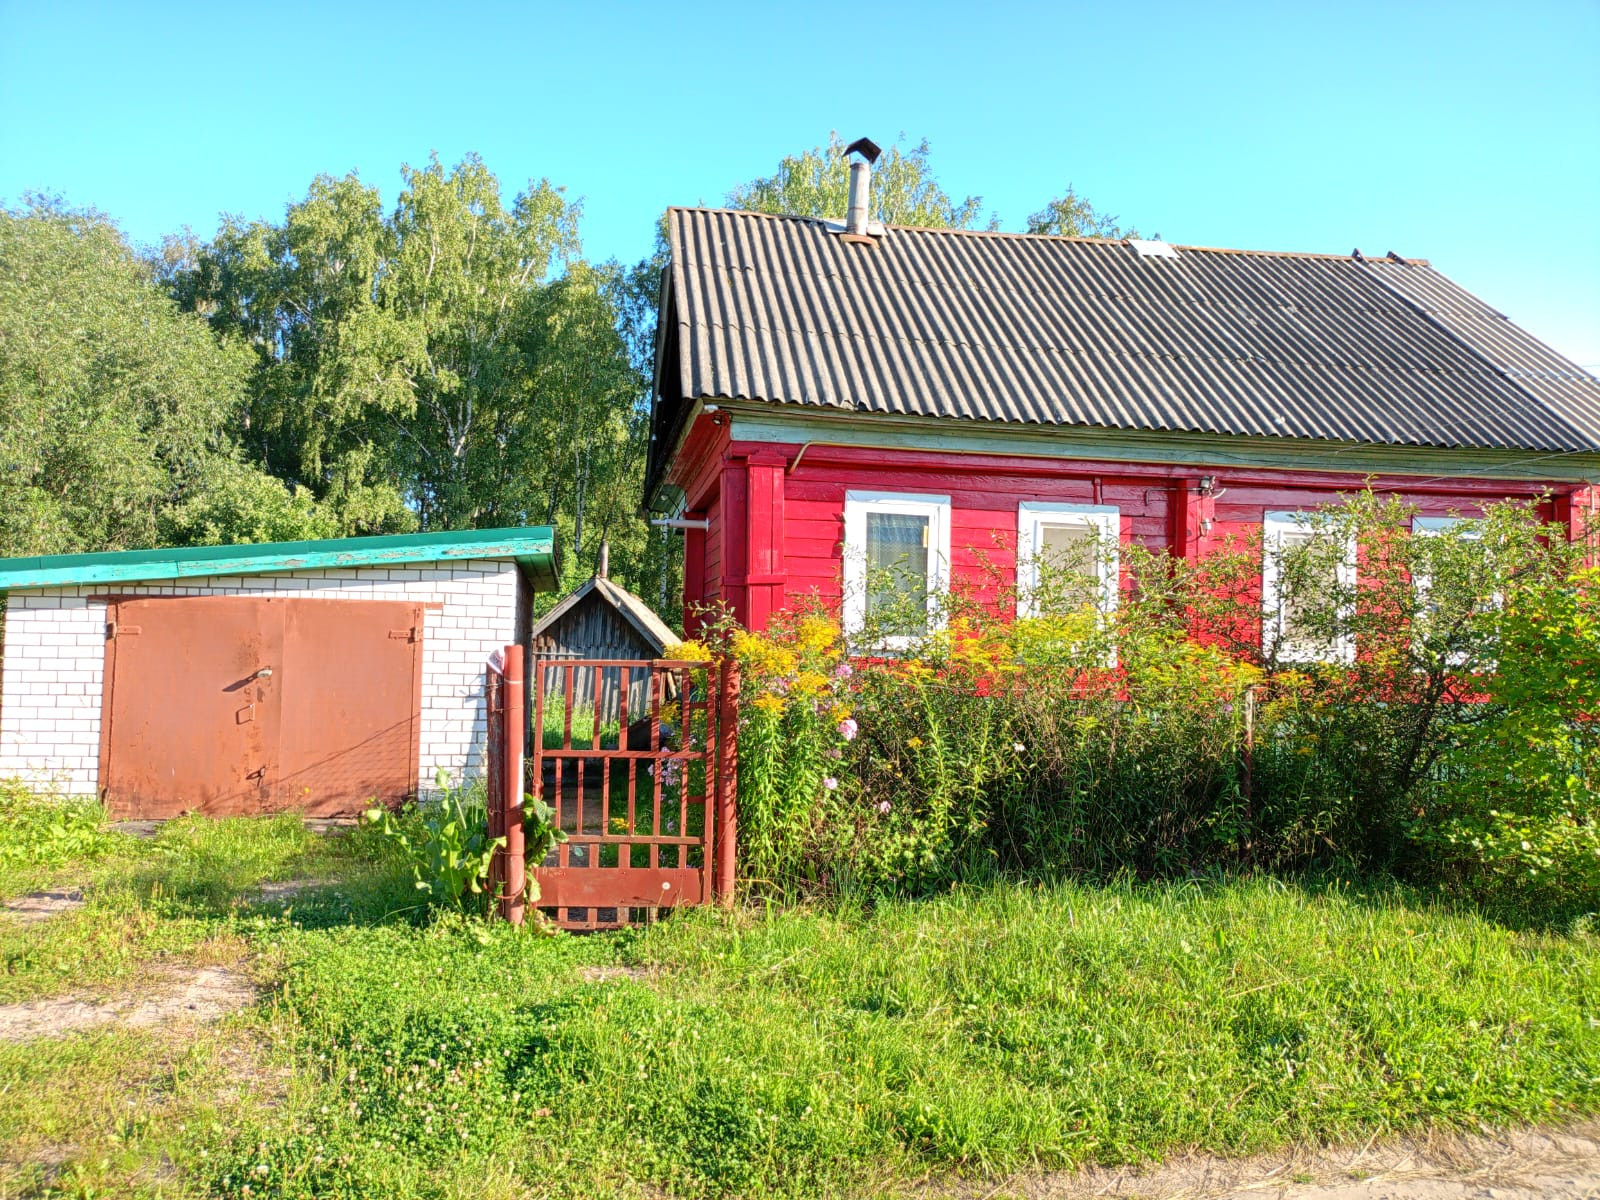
(796,721)
(1164,737)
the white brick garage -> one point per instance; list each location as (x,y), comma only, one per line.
(475,590)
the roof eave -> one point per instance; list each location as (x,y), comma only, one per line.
(532,548)
(776,421)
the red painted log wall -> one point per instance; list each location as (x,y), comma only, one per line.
(776,527)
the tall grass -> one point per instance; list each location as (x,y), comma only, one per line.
(811,1052)
(797,1052)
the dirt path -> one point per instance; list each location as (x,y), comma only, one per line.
(1559,1164)
(41,906)
(194,997)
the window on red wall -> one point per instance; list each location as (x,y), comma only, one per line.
(1067,557)
(1286,634)
(896,564)
(1430,620)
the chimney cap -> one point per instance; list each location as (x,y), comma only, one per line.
(866,147)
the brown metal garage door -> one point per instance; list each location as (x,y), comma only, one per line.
(254,704)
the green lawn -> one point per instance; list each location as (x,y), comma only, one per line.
(797,1053)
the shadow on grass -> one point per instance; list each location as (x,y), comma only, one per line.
(200,867)
(1337,882)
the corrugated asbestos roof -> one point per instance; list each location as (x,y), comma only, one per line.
(1068,331)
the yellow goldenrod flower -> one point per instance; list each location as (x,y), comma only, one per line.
(809,683)
(762,657)
(814,635)
(768,703)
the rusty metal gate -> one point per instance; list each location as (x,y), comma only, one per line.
(645,799)
(240,705)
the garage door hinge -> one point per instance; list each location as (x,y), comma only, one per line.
(404,635)
(113,629)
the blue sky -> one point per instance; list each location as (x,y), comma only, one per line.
(1465,133)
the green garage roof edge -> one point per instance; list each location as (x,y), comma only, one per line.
(533,548)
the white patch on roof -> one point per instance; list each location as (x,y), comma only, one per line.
(1148,249)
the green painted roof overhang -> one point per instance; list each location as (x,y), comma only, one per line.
(533,548)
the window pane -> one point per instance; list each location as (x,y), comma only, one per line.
(897,569)
(1293,602)
(1069,567)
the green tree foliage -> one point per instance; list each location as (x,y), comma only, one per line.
(1519,823)
(634,293)
(452,363)
(116,409)
(333,370)
(467,283)
(1070,215)
(816,183)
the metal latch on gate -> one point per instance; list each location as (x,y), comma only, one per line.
(404,635)
(113,629)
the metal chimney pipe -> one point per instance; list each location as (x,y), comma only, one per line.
(604,569)
(860,196)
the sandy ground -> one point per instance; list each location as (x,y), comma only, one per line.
(1562,1164)
(41,906)
(280,890)
(194,996)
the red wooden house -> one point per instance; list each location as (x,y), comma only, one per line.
(829,395)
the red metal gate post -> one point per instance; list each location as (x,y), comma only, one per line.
(512,734)
(727,789)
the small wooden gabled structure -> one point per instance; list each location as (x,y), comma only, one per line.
(601,620)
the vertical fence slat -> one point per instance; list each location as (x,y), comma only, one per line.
(727,781)
(685,764)
(708,819)
(605,762)
(655,774)
(624,684)
(563,852)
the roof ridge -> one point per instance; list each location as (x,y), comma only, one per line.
(1043,237)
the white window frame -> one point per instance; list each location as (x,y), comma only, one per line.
(911,504)
(1273,526)
(1105,520)
(1422,582)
